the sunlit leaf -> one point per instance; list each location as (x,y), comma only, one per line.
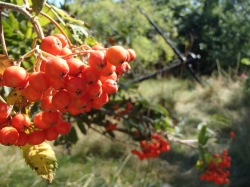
(78,33)
(17,99)
(202,138)
(37,5)
(245,61)
(42,159)
(5,62)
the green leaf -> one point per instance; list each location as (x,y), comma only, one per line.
(202,138)
(66,16)
(245,61)
(91,41)
(72,136)
(78,33)
(37,5)
(202,153)
(81,126)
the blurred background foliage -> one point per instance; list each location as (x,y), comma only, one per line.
(217,30)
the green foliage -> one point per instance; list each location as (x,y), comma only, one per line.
(121,23)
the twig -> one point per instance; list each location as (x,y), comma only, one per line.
(2,35)
(161,32)
(176,50)
(22,10)
(189,143)
(111,138)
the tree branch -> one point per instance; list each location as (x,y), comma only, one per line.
(22,10)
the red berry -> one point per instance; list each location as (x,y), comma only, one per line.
(22,139)
(52,45)
(231,134)
(110,86)
(132,55)
(38,121)
(56,68)
(90,75)
(5,110)
(39,81)
(36,137)
(31,94)
(61,100)
(51,133)
(94,90)
(46,104)
(116,55)
(108,70)
(63,127)
(62,39)
(8,135)
(21,122)
(15,77)
(97,60)
(76,86)
(76,66)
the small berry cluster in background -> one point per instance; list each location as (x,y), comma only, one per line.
(152,149)
(216,170)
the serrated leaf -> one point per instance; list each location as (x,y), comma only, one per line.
(37,5)
(78,32)
(42,159)
(5,62)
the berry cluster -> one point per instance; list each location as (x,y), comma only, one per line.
(62,83)
(216,169)
(152,149)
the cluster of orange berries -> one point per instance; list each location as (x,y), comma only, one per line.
(152,149)
(62,83)
(216,169)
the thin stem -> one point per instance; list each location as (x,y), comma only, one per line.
(57,16)
(2,36)
(28,54)
(22,10)
(2,99)
(57,25)
(118,140)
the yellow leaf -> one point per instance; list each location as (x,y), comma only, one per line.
(5,62)
(42,159)
(17,99)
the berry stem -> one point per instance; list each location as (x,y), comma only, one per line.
(57,25)
(5,52)
(22,10)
